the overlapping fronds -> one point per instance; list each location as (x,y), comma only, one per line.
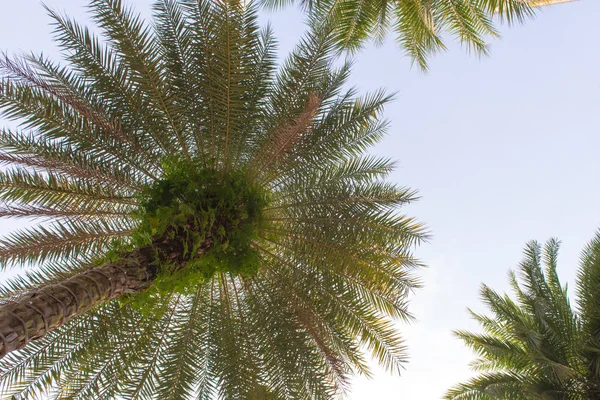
(537,346)
(201,86)
(419,25)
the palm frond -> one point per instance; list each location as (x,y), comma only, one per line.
(60,240)
(419,26)
(106,144)
(537,346)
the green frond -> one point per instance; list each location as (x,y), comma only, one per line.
(181,360)
(416,31)
(31,93)
(51,190)
(418,25)
(588,295)
(468,24)
(489,386)
(60,240)
(135,45)
(24,150)
(27,211)
(134,150)
(510,11)
(538,346)
(54,364)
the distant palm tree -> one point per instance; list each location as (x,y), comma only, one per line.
(538,347)
(419,25)
(207,224)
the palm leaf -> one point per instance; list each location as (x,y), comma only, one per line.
(537,346)
(106,140)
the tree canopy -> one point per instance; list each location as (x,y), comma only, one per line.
(537,345)
(186,135)
(419,26)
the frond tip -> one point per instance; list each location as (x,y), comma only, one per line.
(420,27)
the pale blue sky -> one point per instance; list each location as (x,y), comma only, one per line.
(503,150)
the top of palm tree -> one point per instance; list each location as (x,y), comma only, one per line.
(418,25)
(537,346)
(187,131)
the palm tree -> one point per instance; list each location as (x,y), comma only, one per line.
(419,25)
(538,346)
(206,224)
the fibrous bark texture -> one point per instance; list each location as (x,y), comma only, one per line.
(38,312)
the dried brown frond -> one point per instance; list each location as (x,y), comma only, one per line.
(283,138)
(309,319)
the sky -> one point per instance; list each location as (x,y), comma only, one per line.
(502,149)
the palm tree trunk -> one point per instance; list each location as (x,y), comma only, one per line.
(36,313)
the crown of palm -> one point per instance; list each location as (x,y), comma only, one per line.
(202,88)
(537,346)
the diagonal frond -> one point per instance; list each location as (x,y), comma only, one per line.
(60,241)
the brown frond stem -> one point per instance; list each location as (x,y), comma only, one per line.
(284,137)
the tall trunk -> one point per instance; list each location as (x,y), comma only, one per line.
(38,312)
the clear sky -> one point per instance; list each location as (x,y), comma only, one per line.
(503,150)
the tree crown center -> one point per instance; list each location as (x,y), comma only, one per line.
(199,222)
